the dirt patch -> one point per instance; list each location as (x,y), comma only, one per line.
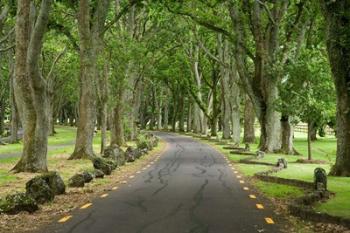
(74,198)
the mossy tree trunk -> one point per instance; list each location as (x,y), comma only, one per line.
(338,19)
(30,88)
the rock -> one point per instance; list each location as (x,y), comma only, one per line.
(320,179)
(132,154)
(260,154)
(55,182)
(103,165)
(88,177)
(282,162)
(39,190)
(98,173)
(129,155)
(144,151)
(15,203)
(76,181)
(114,152)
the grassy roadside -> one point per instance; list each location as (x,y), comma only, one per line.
(323,149)
(74,197)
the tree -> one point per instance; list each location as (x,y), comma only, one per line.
(337,16)
(91,31)
(30,87)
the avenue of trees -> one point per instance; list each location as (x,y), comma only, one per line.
(196,66)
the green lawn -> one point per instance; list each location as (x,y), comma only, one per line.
(322,149)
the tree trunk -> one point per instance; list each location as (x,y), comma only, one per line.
(235,109)
(91,35)
(189,117)
(313,131)
(166,115)
(181,113)
(117,131)
(287,136)
(309,141)
(30,87)
(249,120)
(338,19)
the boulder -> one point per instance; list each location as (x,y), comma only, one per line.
(98,173)
(132,154)
(76,181)
(15,203)
(55,181)
(88,177)
(114,152)
(39,190)
(103,165)
(320,179)
(282,162)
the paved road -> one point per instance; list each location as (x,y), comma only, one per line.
(190,189)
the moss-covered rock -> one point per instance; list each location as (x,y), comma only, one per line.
(115,153)
(104,165)
(98,174)
(55,182)
(88,177)
(15,203)
(76,181)
(39,190)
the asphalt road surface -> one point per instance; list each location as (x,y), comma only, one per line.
(190,189)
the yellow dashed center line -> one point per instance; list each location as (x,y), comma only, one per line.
(246,188)
(269,221)
(131,177)
(65,219)
(239,177)
(241,181)
(87,205)
(138,172)
(252,196)
(235,172)
(114,188)
(104,195)
(259,206)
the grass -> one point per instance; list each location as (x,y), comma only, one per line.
(279,190)
(322,149)
(62,146)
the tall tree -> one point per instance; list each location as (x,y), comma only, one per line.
(91,25)
(337,17)
(30,87)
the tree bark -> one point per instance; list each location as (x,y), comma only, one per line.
(117,131)
(181,113)
(249,120)
(30,87)
(309,141)
(338,19)
(90,32)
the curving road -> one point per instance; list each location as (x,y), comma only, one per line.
(190,189)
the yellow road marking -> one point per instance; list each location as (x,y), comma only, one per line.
(235,172)
(241,181)
(138,172)
(114,188)
(124,182)
(239,177)
(246,188)
(269,221)
(252,196)
(65,219)
(87,205)
(259,206)
(104,195)
(131,177)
